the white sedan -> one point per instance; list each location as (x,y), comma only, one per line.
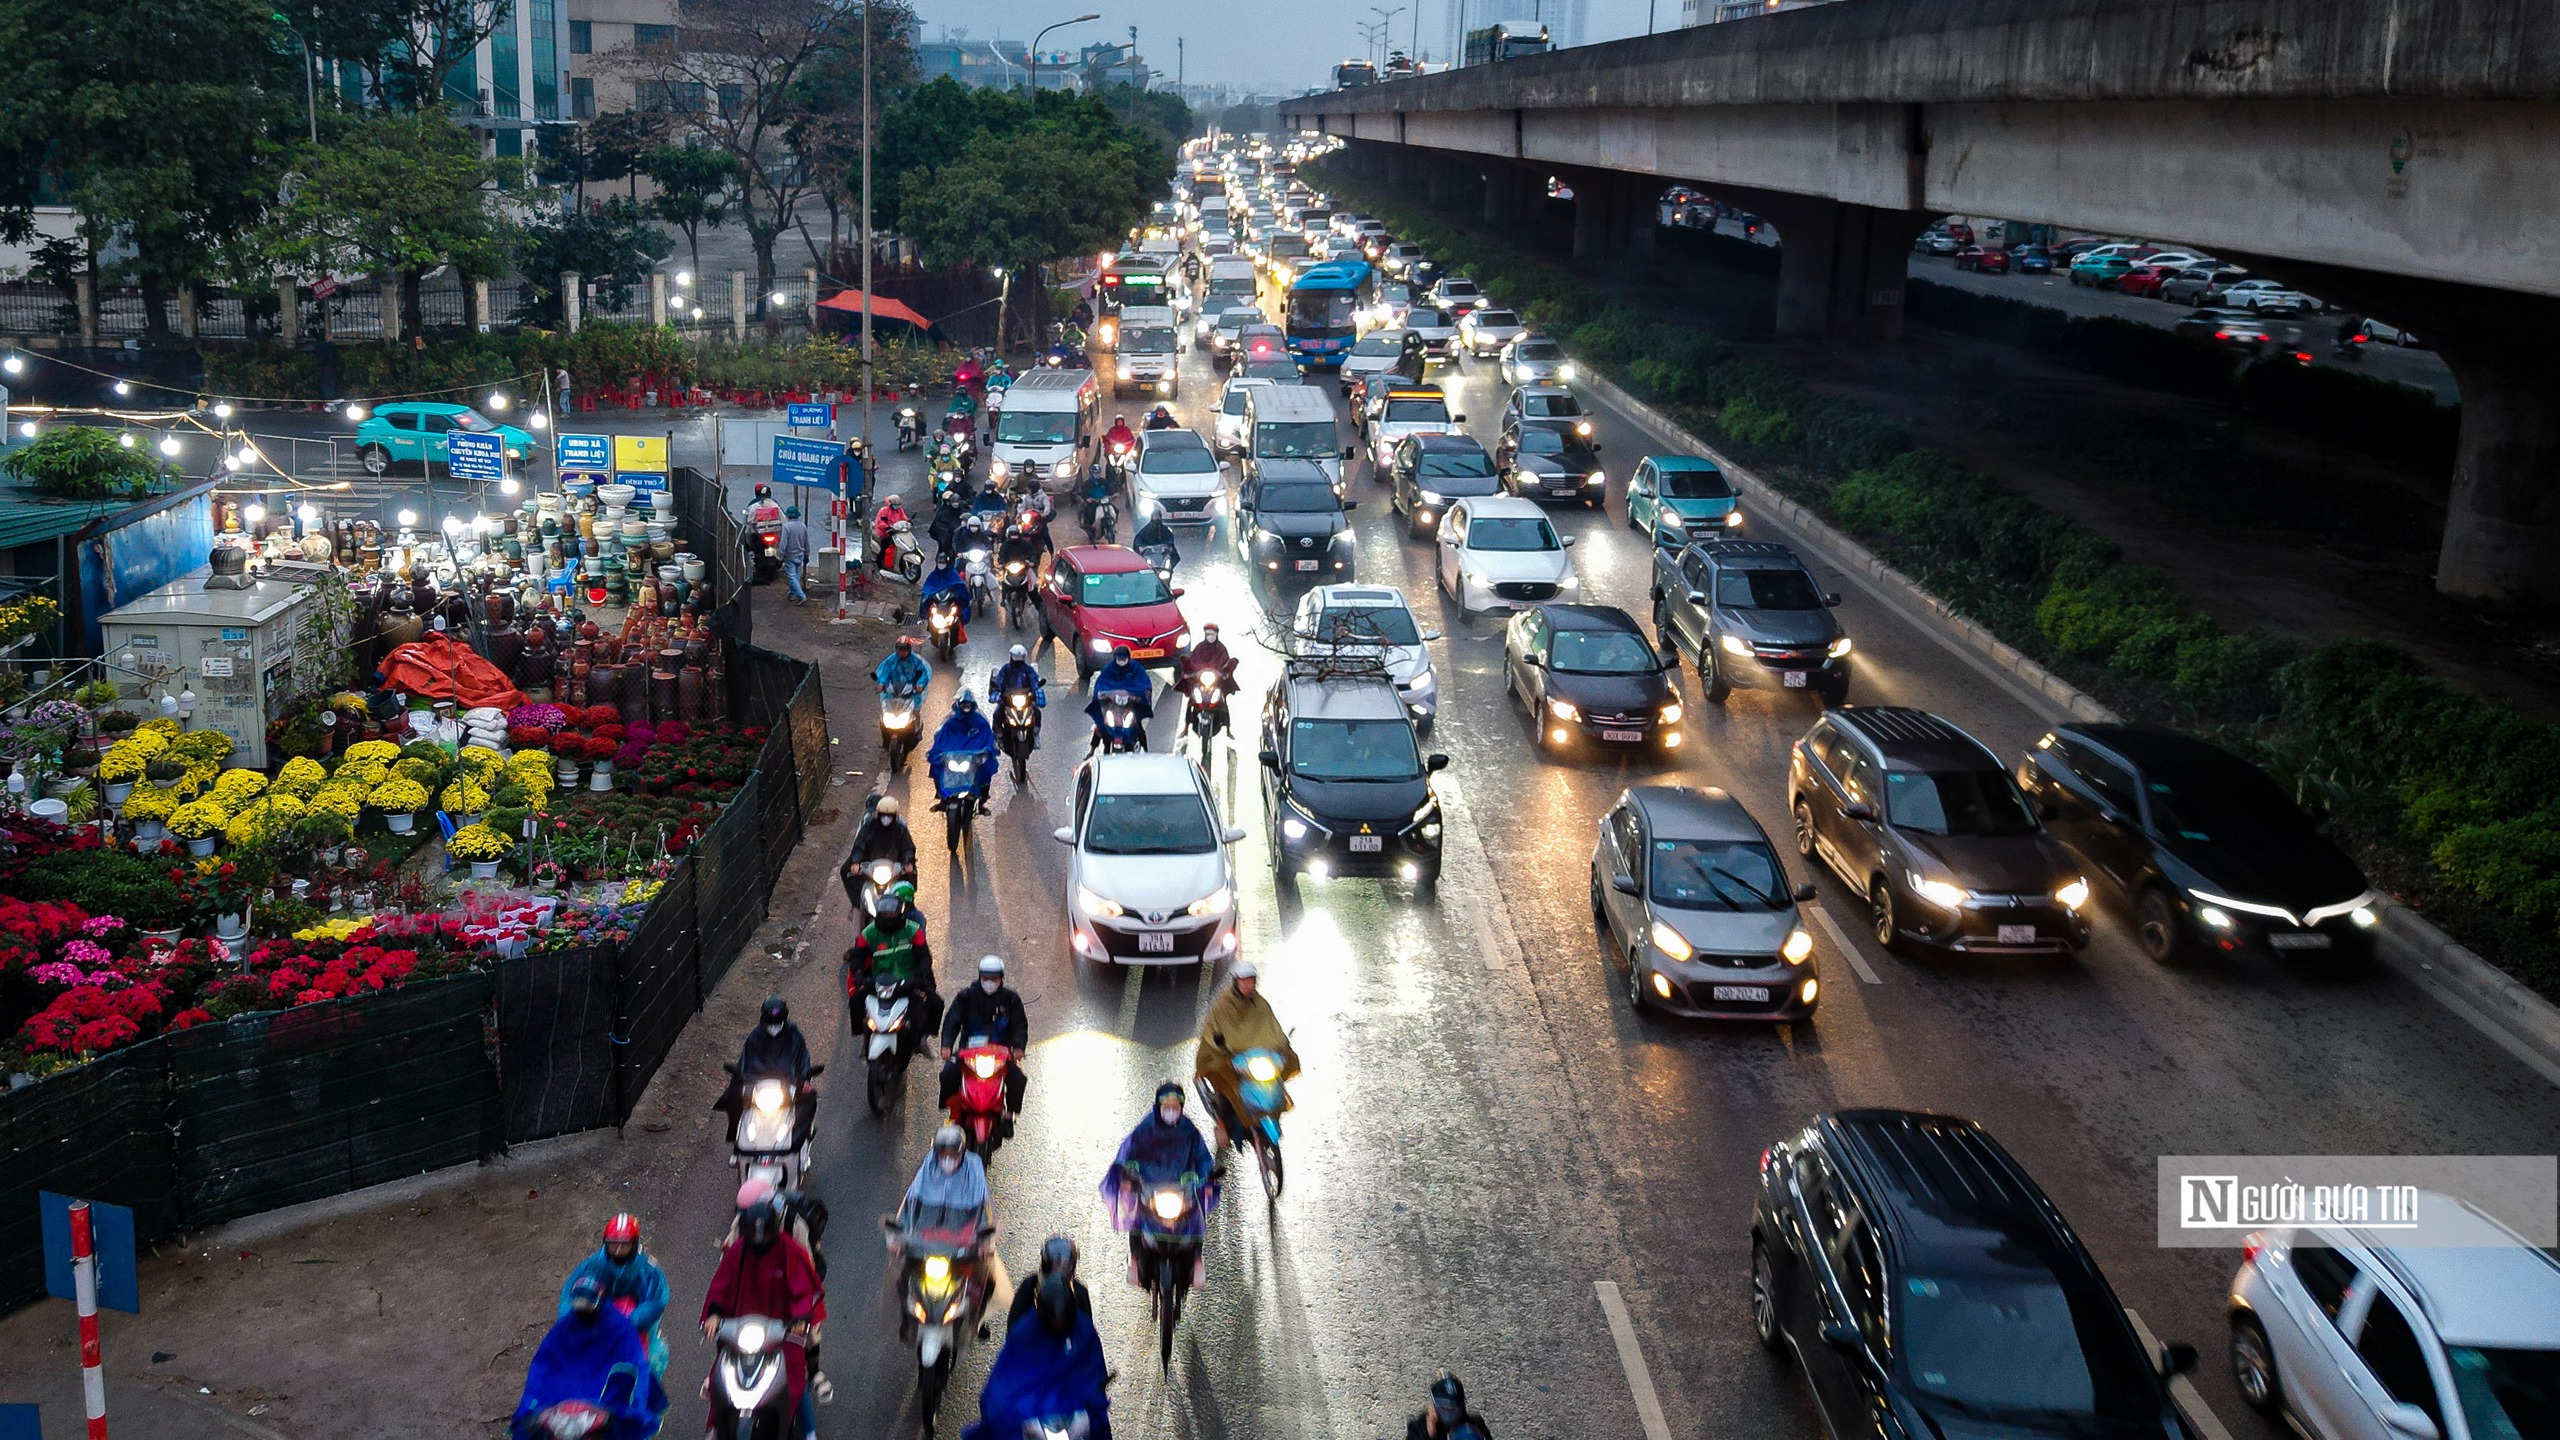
(1499,552)
(1149,881)
(1485,330)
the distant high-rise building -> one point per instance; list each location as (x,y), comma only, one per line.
(1708,12)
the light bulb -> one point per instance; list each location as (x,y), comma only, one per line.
(453,524)
(509,486)
(125,441)
(168,444)
(124,387)
(781,299)
(355,412)
(13,365)
(254,514)
(538,420)
(497,400)
(307,515)
(408,517)
(683,277)
(222,410)
(230,462)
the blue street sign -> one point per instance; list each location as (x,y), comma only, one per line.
(806,462)
(110,1236)
(642,480)
(806,416)
(475,457)
(586,452)
(18,1422)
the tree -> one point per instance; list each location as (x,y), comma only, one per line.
(826,104)
(82,462)
(403,49)
(928,126)
(693,189)
(610,243)
(392,193)
(1022,199)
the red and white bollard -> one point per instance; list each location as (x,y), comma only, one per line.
(84,1286)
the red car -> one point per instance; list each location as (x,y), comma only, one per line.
(1101,596)
(2145,279)
(1989,259)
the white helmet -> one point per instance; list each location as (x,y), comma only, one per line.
(991,965)
(1021,654)
(1243,971)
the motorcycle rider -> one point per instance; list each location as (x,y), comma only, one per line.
(883,835)
(944,528)
(632,1284)
(1239,1022)
(950,1188)
(1057,1258)
(774,1050)
(1018,673)
(1051,1367)
(1125,676)
(1161,418)
(764,510)
(1154,535)
(1119,439)
(1165,1149)
(577,1361)
(768,1273)
(1097,489)
(990,1009)
(1208,657)
(902,666)
(964,732)
(894,944)
(945,579)
(884,520)
(1447,1414)
(1025,540)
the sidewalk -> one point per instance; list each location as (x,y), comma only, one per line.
(412,1309)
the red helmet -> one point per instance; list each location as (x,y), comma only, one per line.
(625,1226)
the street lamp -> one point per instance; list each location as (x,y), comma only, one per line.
(1035,50)
(310,95)
(1386,19)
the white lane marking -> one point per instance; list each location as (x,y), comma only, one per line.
(1128,1023)
(1639,1376)
(2182,1389)
(1840,942)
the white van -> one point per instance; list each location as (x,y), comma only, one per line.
(1042,425)
(1146,356)
(1292,422)
(1232,280)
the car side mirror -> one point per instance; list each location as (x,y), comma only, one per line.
(1841,1335)
(1697,597)
(1349,450)
(1568,541)
(1831,599)
(1233,834)
(1624,884)
(1350,504)
(1435,762)
(1177,592)
(1595,447)
(1859,810)
(1457,419)
(2403,1418)
(1805,893)
(1064,835)
(1430,635)
(2178,1359)
(1226,467)
(1270,759)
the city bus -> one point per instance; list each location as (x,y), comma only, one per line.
(1352,73)
(1325,307)
(1508,40)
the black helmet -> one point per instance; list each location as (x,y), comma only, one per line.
(777,1011)
(1172,1089)
(760,1225)
(893,908)
(1058,1256)
(1119,652)
(1449,1397)
(1057,1304)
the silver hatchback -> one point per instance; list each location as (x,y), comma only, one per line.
(1691,896)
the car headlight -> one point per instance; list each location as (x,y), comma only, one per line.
(1582,427)
(1938,892)
(1839,647)
(1566,371)
(1563,710)
(1125,372)
(2214,916)
(2365,916)
(1064,469)
(997,469)
(1432,497)
(1093,904)
(1735,645)
(1672,712)
(1216,902)
(1732,519)
(2073,895)
(1669,942)
(1294,828)
(1798,947)
(1596,477)
(1099,646)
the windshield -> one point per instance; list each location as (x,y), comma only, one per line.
(1238,319)
(1484,318)
(1035,427)
(2009,1346)
(1545,406)
(1148,825)
(1232,285)
(471,420)
(1717,875)
(2225,802)
(1353,750)
(1382,624)
(1295,440)
(1456,464)
(1601,652)
(1286,245)
(1510,532)
(2506,1394)
(1539,440)
(1382,343)
(1323,312)
(1424,317)
(1297,499)
(1178,460)
(1538,350)
(1233,404)
(1151,339)
(1434,412)
(1767,590)
(1959,802)
(1696,485)
(1135,587)
(1458,290)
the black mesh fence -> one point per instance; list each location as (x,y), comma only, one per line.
(730,882)
(556,1023)
(100,1132)
(811,752)
(660,988)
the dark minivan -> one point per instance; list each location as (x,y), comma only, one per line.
(1928,1288)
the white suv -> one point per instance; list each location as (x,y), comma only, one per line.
(1149,881)
(1373,620)
(2356,1340)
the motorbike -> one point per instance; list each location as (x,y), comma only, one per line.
(957,783)
(942,623)
(910,428)
(761,1147)
(751,1386)
(1265,1097)
(573,1419)
(900,559)
(1017,731)
(877,877)
(888,1043)
(940,1296)
(1159,558)
(1017,592)
(1120,732)
(768,549)
(1101,520)
(2352,347)
(1204,711)
(1166,1255)
(978,568)
(978,1106)
(898,724)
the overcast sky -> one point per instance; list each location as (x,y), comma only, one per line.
(1286,44)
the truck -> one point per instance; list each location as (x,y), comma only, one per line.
(1506,40)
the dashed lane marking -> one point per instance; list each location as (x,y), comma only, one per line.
(1631,1358)
(1840,941)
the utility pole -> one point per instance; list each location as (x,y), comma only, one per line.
(849,532)
(1178,66)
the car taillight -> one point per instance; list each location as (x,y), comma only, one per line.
(2221,334)
(2249,1252)
(2302,355)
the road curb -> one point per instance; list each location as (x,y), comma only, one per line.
(2480,994)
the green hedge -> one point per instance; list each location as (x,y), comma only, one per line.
(2451,799)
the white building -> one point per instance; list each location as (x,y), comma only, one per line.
(1708,12)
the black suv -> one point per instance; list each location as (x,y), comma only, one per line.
(2210,853)
(1344,781)
(1289,521)
(1433,471)
(1927,1287)
(1549,460)
(1749,614)
(1917,816)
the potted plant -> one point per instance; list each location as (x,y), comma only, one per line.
(323,833)
(548,874)
(221,891)
(482,847)
(199,822)
(149,808)
(464,799)
(399,799)
(118,770)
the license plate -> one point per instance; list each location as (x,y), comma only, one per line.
(1368,844)
(1154,944)
(2017,934)
(1306,565)
(2305,941)
(1152,652)
(1621,734)
(1567,490)
(1756,994)
(1795,678)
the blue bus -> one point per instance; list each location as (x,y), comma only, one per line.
(1325,306)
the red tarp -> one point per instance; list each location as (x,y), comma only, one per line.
(882,308)
(443,668)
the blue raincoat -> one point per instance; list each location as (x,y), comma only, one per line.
(637,1289)
(1161,1154)
(592,1360)
(1041,1376)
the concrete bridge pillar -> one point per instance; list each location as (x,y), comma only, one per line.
(1400,165)
(1598,212)
(1448,182)
(1841,268)
(2502,521)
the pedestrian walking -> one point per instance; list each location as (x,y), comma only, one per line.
(795,553)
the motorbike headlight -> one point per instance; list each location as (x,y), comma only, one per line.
(1262,1069)
(937,1269)
(1563,710)
(1216,902)
(769,1096)
(882,873)
(1093,904)
(1839,647)
(2073,895)
(1168,1205)
(898,721)
(751,1339)
(1799,945)
(1938,892)
(1670,942)
(985,1066)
